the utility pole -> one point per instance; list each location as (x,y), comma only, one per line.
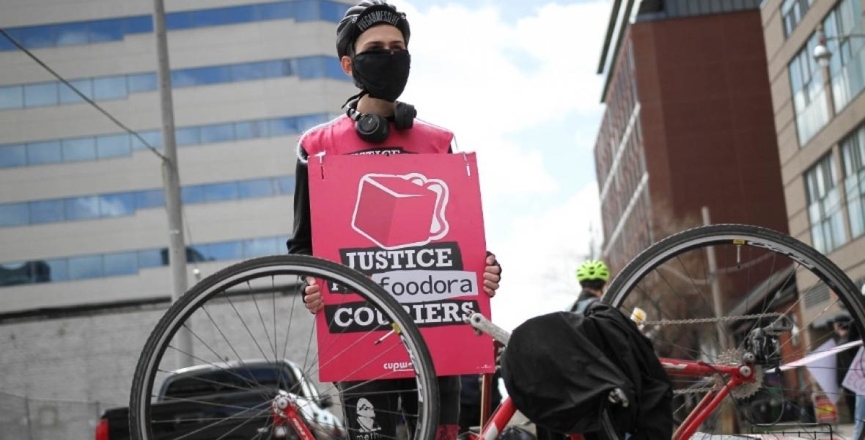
(727,416)
(171,181)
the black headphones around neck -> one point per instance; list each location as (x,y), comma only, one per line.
(374,128)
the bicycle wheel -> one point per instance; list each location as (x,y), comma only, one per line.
(717,293)
(253,346)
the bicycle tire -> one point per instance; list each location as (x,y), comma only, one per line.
(667,249)
(154,348)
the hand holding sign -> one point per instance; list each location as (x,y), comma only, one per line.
(492,276)
(312,296)
(413,223)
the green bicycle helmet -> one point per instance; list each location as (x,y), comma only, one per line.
(593,270)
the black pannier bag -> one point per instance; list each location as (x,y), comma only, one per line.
(559,369)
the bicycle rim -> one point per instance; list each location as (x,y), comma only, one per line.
(704,291)
(250,318)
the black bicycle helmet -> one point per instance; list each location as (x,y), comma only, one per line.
(363,16)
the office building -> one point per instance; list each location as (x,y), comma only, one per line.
(83,225)
(816,71)
(688,123)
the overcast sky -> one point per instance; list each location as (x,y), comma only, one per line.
(516,82)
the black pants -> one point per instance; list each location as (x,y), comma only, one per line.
(373,410)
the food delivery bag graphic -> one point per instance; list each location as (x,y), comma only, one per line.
(384,199)
(413,223)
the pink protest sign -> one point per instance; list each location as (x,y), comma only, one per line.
(414,224)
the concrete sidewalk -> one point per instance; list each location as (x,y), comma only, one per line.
(839,432)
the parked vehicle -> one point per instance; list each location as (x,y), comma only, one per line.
(191,399)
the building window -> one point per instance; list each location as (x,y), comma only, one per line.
(116,29)
(792,12)
(121,86)
(853,154)
(129,262)
(121,145)
(824,206)
(809,98)
(844,30)
(91,207)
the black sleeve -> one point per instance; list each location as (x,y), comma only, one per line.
(301,240)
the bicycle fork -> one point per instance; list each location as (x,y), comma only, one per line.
(285,417)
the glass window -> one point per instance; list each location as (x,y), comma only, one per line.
(82,208)
(106,30)
(200,76)
(208,17)
(68,96)
(187,136)
(211,134)
(152,137)
(192,194)
(14,214)
(111,87)
(85,267)
(824,206)
(40,153)
(178,20)
(5,44)
(847,63)
(249,189)
(38,95)
(11,97)
(75,150)
(240,14)
(250,130)
(12,156)
(216,192)
(141,24)
(286,185)
(232,250)
(70,34)
(154,198)
(150,258)
(333,69)
(247,71)
(117,205)
(36,37)
(310,67)
(307,10)
(46,211)
(121,263)
(853,153)
(278,68)
(194,254)
(792,12)
(282,126)
(258,247)
(142,82)
(113,146)
(308,121)
(332,11)
(14,274)
(809,98)
(58,269)
(277,11)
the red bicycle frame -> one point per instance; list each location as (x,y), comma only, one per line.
(737,374)
(285,416)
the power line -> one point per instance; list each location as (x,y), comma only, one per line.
(82,95)
(97,107)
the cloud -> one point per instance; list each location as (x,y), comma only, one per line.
(488,80)
(539,257)
(524,95)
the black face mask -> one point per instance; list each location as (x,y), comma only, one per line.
(381,73)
